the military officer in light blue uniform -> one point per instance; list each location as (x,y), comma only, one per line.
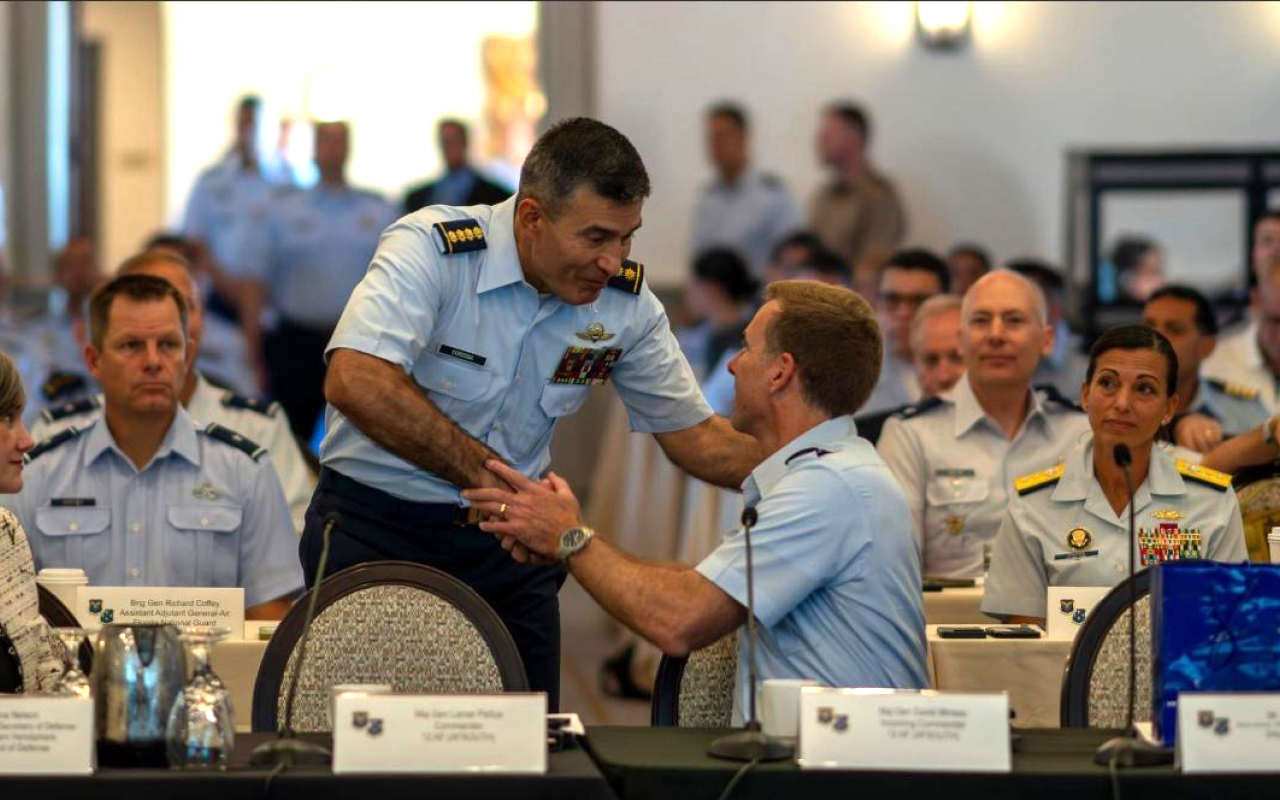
(144,496)
(1069,523)
(837,572)
(472,333)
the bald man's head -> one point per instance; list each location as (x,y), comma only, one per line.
(1004,331)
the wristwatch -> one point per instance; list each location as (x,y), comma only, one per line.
(573,540)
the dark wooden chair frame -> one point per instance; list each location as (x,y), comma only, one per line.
(1074,711)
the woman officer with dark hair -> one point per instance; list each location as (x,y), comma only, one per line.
(1068,524)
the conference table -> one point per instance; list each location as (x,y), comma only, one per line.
(236,662)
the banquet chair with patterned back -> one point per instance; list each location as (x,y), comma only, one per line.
(1095,685)
(696,691)
(1258,489)
(54,611)
(393,622)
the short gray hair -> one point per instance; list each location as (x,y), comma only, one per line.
(583,152)
(938,304)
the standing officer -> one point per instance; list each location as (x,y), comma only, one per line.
(473,332)
(145,496)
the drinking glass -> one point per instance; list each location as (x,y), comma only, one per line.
(73,680)
(201,731)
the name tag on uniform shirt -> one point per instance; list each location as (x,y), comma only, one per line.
(72,502)
(586,366)
(462,355)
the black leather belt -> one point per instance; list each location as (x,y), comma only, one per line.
(378,503)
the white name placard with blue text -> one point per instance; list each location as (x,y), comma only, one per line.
(884,729)
(46,735)
(126,605)
(1228,732)
(440,733)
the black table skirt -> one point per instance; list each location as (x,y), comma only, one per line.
(570,774)
(671,764)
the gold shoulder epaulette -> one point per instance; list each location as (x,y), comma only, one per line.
(1210,477)
(1038,480)
(630,279)
(1237,390)
(459,236)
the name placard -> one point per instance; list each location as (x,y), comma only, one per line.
(103,605)
(1237,732)
(883,729)
(46,735)
(440,733)
(1068,608)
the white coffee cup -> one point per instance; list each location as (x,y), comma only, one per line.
(1273,543)
(62,584)
(363,689)
(779,706)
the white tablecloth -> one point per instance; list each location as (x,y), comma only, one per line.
(955,607)
(1030,670)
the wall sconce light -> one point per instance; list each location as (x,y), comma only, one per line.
(944,24)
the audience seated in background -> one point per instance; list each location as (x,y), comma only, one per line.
(1064,367)
(740,208)
(857,214)
(56,338)
(461,184)
(824,266)
(1138,268)
(907,279)
(264,423)
(966,262)
(145,496)
(1068,524)
(790,254)
(837,575)
(722,297)
(956,455)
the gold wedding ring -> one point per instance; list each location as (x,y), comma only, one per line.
(502,511)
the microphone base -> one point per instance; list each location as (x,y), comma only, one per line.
(1132,751)
(291,753)
(750,745)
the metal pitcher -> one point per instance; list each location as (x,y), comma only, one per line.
(138,671)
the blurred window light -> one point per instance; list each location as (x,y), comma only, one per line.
(944,24)
(332,95)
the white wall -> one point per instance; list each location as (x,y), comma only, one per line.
(975,139)
(405,66)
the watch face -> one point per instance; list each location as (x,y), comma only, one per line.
(574,537)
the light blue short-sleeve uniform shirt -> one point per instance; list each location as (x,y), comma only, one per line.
(1060,529)
(227,208)
(491,353)
(203,512)
(837,573)
(1238,409)
(750,216)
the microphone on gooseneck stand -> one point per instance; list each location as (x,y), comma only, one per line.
(1131,749)
(286,749)
(750,744)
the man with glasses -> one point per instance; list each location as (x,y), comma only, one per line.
(906,280)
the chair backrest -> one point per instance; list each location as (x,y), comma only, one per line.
(1095,686)
(54,610)
(395,622)
(696,691)
(1258,489)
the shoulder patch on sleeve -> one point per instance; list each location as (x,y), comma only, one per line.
(60,384)
(630,279)
(1052,395)
(233,400)
(58,439)
(1209,477)
(816,452)
(459,236)
(1038,480)
(915,410)
(228,436)
(72,409)
(1236,390)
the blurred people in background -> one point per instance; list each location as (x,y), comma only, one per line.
(826,267)
(722,297)
(935,344)
(1138,267)
(789,254)
(857,213)
(1065,366)
(461,184)
(740,208)
(967,262)
(313,250)
(56,338)
(907,279)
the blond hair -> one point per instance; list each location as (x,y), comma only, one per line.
(832,334)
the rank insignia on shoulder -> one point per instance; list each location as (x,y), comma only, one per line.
(630,278)
(1236,390)
(816,452)
(915,410)
(1038,480)
(459,236)
(53,441)
(72,409)
(228,436)
(1210,477)
(233,400)
(60,384)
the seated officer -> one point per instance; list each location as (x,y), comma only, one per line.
(1069,523)
(1209,410)
(264,423)
(145,496)
(837,574)
(955,454)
